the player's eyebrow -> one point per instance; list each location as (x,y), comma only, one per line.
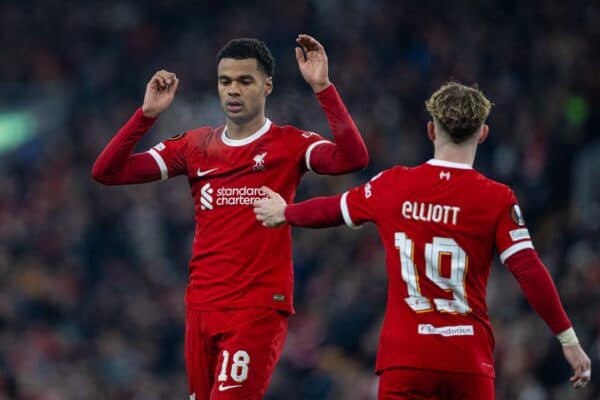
(238,78)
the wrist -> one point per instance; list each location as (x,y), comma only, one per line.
(149,113)
(283,216)
(568,337)
(318,88)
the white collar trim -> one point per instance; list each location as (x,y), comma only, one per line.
(448,164)
(241,142)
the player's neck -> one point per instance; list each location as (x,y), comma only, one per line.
(453,153)
(238,131)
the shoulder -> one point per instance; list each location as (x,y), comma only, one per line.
(203,131)
(387,175)
(396,172)
(201,135)
(301,135)
(493,186)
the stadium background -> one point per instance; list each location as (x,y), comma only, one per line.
(92,278)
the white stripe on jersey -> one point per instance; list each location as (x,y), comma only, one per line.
(164,174)
(310,149)
(515,248)
(346,212)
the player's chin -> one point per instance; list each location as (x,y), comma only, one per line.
(238,117)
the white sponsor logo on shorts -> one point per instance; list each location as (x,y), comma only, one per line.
(457,330)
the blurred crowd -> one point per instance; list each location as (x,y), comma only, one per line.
(92,278)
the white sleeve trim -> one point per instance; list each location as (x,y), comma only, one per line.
(515,248)
(310,149)
(346,212)
(164,174)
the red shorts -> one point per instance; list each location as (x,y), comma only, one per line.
(230,355)
(423,384)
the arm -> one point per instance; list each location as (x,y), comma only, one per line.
(539,289)
(319,212)
(116,165)
(349,152)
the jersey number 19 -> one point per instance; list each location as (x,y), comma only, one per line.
(434,253)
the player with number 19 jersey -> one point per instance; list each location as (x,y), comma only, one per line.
(440,223)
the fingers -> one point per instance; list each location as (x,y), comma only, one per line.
(583,374)
(309,43)
(263,216)
(164,80)
(300,57)
(270,193)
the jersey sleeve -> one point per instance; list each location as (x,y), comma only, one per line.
(512,236)
(360,204)
(170,156)
(310,141)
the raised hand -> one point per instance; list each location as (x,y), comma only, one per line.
(314,67)
(160,92)
(580,362)
(271,210)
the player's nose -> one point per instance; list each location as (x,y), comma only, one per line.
(233,89)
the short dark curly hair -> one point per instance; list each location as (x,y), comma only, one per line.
(460,109)
(243,48)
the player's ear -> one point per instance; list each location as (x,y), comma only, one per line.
(483,134)
(431,131)
(268,85)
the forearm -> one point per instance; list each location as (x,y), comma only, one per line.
(349,152)
(319,212)
(117,165)
(539,289)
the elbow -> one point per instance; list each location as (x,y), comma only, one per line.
(99,175)
(363,160)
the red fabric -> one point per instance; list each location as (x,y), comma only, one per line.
(319,212)
(421,384)
(440,224)
(349,152)
(116,165)
(259,333)
(539,289)
(233,264)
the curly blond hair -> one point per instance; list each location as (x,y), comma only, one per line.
(460,109)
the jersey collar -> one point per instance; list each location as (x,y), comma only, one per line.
(241,142)
(448,164)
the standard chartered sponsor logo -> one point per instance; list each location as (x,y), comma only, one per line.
(229,196)
(206,199)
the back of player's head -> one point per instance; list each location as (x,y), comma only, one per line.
(243,48)
(459,109)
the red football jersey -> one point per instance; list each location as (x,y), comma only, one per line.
(236,262)
(440,224)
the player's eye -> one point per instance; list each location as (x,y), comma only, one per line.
(224,81)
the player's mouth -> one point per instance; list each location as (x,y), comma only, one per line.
(233,106)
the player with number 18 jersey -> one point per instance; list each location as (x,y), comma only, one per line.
(234,266)
(240,274)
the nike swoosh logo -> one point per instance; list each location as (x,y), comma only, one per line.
(208,171)
(223,388)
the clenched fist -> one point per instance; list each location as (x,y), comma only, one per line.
(160,92)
